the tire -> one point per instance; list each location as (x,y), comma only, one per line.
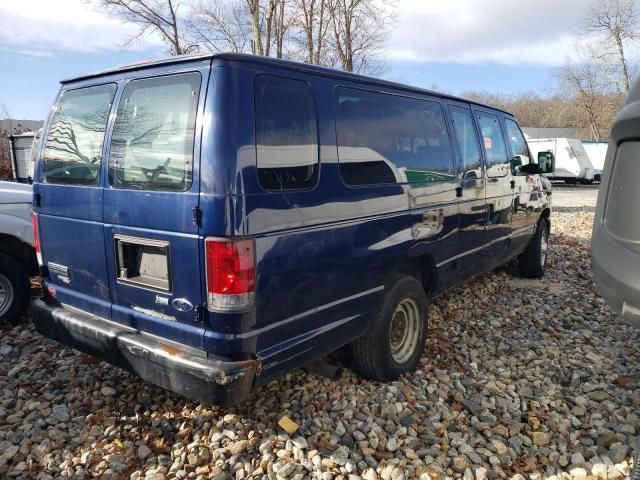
(378,355)
(15,290)
(533,260)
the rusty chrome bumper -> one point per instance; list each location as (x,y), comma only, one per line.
(178,368)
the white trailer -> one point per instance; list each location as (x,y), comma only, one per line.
(572,162)
(597,152)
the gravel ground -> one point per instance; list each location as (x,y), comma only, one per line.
(519,379)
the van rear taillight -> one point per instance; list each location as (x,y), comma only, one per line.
(231,273)
(36,237)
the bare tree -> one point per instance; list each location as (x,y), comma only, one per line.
(586,81)
(360,30)
(159,16)
(221,26)
(280,27)
(617,21)
(6,131)
(314,23)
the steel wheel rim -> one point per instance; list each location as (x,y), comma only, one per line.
(544,245)
(404,333)
(6,295)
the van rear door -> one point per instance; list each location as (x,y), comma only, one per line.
(151,203)
(69,194)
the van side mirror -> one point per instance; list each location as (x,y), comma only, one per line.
(546,162)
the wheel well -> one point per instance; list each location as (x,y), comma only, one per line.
(422,267)
(22,252)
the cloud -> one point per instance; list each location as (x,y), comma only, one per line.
(36,53)
(71,25)
(523,32)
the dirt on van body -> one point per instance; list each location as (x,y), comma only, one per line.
(519,379)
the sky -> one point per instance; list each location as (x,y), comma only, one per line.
(498,46)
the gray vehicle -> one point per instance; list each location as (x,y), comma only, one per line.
(17,253)
(616,228)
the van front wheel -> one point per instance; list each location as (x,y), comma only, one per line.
(533,260)
(395,340)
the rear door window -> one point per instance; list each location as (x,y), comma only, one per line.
(73,147)
(286,134)
(153,136)
(386,139)
(467,139)
(494,147)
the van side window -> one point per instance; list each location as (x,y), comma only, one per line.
(495,149)
(467,139)
(73,147)
(519,148)
(385,139)
(286,134)
(153,136)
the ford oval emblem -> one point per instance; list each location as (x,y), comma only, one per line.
(182,304)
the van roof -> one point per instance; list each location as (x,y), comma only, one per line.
(244,57)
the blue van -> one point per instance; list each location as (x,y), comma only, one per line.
(211,222)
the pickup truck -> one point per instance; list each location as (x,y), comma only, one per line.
(17,254)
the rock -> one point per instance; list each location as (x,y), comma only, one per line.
(60,413)
(607,439)
(500,447)
(481,473)
(370,474)
(237,447)
(540,438)
(144,452)
(577,459)
(618,452)
(581,401)
(460,464)
(108,391)
(300,442)
(578,472)
(599,470)
(392,444)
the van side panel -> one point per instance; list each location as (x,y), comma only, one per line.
(323,254)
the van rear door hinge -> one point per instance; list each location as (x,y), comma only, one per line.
(197,216)
(36,199)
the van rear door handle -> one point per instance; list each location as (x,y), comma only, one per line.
(513,184)
(458,192)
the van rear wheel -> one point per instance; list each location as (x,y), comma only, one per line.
(395,340)
(533,260)
(15,289)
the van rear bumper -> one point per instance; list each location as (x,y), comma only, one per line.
(216,380)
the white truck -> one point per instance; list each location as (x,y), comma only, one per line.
(572,162)
(17,254)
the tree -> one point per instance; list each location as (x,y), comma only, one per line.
(159,16)
(255,26)
(360,30)
(314,25)
(617,22)
(6,129)
(221,26)
(586,82)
